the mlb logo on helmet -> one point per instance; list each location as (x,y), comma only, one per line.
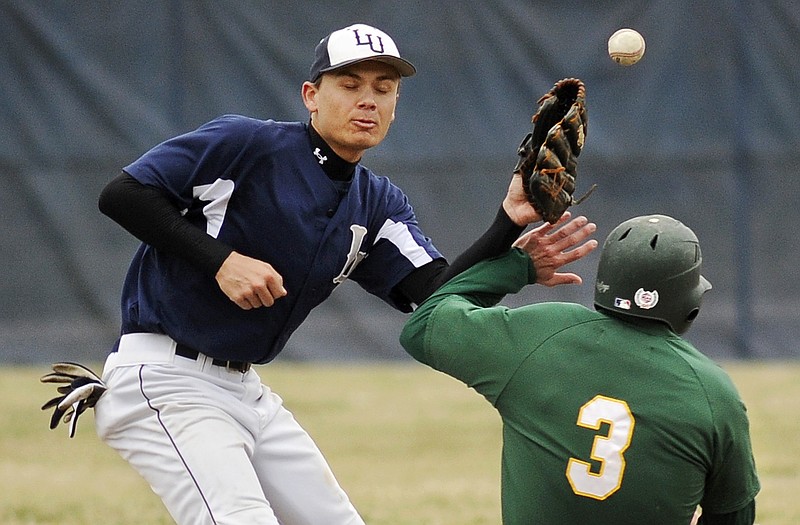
(622,303)
(357,43)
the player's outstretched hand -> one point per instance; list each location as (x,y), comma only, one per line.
(551,246)
(248,282)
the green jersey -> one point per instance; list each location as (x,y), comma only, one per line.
(604,421)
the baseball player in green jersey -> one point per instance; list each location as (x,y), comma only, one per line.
(609,416)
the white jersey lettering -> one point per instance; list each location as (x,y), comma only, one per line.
(354,256)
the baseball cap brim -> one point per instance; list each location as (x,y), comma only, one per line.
(404,67)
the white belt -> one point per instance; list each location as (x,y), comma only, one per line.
(145,348)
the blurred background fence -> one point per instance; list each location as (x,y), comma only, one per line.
(704,128)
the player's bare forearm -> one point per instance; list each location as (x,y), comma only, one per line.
(516,204)
(551,246)
(248,282)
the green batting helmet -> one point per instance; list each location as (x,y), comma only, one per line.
(650,268)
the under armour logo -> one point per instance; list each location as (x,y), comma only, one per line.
(322,158)
(376,48)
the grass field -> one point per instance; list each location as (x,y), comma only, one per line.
(409,445)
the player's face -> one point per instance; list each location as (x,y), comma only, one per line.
(353,107)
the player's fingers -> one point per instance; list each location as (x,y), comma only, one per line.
(558,279)
(256,297)
(533,237)
(568,227)
(550,260)
(267,294)
(524,240)
(244,304)
(587,247)
(555,229)
(567,215)
(276,288)
(561,228)
(247,299)
(574,233)
(578,250)
(554,234)
(272,290)
(565,257)
(264,298)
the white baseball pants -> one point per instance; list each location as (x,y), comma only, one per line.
(217,446)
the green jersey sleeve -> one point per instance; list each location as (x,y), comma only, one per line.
(732,482)
(460,326)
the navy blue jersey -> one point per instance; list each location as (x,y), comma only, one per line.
(257,186)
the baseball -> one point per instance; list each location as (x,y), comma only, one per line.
(626,47)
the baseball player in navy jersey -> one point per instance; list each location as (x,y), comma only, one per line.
(609,416)
(247,225)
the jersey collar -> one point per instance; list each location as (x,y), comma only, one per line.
(335,167)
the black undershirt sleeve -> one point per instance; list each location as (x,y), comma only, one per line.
(151,217)
(423,281)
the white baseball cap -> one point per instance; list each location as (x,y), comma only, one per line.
(357,43)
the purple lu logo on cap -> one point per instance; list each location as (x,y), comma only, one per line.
(375,47)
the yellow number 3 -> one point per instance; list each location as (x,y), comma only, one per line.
(608,450)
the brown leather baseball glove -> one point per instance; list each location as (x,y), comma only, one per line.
(548,155)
